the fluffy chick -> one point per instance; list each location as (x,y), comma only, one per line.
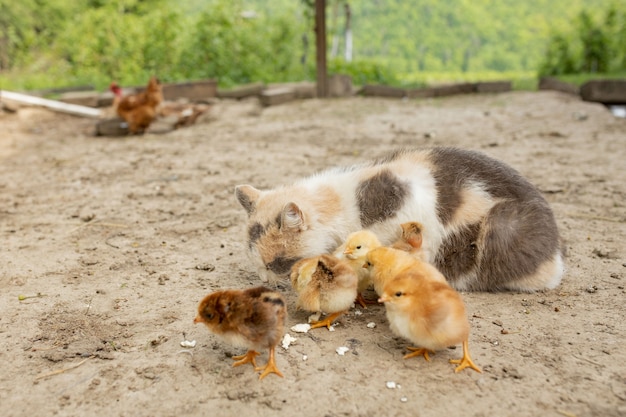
(385,263)
(429,313)
(252,318)
(411,240)
(353,251)
(324,284)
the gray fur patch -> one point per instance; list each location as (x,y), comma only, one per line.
(454,168)
(517,239)
(457,254)
(281,265)
(380,197)
(245,201)
(254,233)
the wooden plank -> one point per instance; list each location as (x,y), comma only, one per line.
(105,99)
(59,106)
(420,93)
(276,96)
(242,91)
(494,86)
(82,98)
(193,90)
(454,89)
(550,83)
(111,127)
(340,85)
(383,91)
(604,91)
(304,89)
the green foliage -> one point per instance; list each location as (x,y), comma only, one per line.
(364,71)
(52,43)
(595,44)
(236,48)
(581,78)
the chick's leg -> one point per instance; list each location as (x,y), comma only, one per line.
(247,358)
(415,351)
(327,322)
(465,361)
(363,302)
(270,368)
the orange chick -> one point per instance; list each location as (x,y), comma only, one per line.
(138,110)
(411,240)
(353,251)
(324,284)
(429,313)
(385,263)
(252,318)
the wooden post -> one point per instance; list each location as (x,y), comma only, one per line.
(320,44)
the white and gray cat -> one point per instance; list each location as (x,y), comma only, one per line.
(485,227)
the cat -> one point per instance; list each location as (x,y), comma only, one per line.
(485,227)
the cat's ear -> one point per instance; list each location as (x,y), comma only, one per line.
(247,196)
(292,217)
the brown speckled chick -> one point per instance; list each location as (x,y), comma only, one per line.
(252,318)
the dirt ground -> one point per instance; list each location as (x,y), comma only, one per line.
(108,245)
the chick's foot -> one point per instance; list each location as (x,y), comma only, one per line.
(465,361)
(327,322)
(418,352)
(270,368)
(247,358)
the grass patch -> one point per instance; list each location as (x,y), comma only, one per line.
(522,80)
(580,79)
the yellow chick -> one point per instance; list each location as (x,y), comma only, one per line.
(353,251)
(252,318)
(429,313)
(411,240)
(385,263)
(324,284)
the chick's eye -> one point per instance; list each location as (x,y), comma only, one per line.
(398,294)
(358,247)
(209,316)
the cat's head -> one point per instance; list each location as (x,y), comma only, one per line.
(275,229)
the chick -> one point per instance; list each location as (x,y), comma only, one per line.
(252,318)
(385,263)
(353,251)
(324,284)
(411,240)
(429,313)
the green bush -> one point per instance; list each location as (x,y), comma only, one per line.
(594,45)
(363,71)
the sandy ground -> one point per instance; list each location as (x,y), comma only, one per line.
(108,245)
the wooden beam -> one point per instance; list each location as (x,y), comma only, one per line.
(320,47)
(50,104)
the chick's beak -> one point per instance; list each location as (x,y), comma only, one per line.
(197,320)
(383,299)
(347,252)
